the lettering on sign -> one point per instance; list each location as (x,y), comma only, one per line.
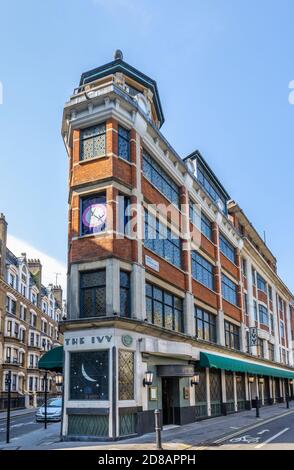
(152,263)
(86,339)
(253,336)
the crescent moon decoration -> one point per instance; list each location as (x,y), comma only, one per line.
(86,376)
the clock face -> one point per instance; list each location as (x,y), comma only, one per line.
(93,216)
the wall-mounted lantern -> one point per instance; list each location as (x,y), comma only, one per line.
(148,379)
(195,379)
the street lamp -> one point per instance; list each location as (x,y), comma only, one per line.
(45,397)
(195,379)
(261,380)
(59,380)
(148,379)
(251,380)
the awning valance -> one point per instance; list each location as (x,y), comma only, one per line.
(52,360)
(235,365)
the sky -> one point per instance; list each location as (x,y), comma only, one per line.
(223,69)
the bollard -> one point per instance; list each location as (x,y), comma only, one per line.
(257,407)
(157,429)
(287,400)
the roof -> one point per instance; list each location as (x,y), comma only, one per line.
(120,65)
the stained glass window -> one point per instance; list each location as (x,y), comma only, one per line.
(123,143)
(93,293)
(163,308)
(93,142)
(93,214)
(89,375)
(126,375)
(125,300)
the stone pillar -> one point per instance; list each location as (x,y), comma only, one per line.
(223,386)
(252,349)
(138,292)
(208,392)
(112,287)
(276,327)
(217,282)
(289,336)
(220,325)
(189,317)
(235,391)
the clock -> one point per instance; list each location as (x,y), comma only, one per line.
(93,217)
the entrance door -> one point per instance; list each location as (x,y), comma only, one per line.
(168,410)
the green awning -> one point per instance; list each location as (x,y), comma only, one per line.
(52,360)
(234,365)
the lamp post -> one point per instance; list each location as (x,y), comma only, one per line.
(45,398)
(8,383)
(59,381)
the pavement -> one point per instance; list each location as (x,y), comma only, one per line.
(18,412)
(276,422)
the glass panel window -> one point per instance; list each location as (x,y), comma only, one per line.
(226,248)
(260,347)
(162,240)
(282,329)
(232,335)
(199,219)
(89,375)
(205,325)
(263,314)
(255,310)
(93,214)
(229,290)
(261,283)
(126,371)
(93,142)
(163,308)
(202,270)
(210,188)
(125,298)
(160,179)
(271,351)
(93,293)
(123,143)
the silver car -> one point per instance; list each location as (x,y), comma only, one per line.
(54,410)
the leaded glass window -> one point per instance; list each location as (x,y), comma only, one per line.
(263,314)
(202,270)
(89,375)
(93,142)
(93,293)
(210,188)
(160,179)
(125,298)
(126,372)
(229,290)
(93,214)
(232,335)
(205,325)
(123,143)
(162,240)
(163,308)
(199,219)
(261,283)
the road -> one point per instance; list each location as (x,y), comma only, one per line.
(277,434)
(19,425)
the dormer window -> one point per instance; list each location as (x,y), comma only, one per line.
(93,142)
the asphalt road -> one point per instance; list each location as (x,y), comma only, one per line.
(275,435)
(19,425)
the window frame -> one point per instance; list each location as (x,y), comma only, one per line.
(92,137)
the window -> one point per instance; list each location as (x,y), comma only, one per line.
(123,143)
(93,214)
(33,319)
(22,335)
(12,280)
(164,309)
(31,384)
(253,277)
(260,347)
(202,270)
(93,293)
(271,351)
(126,371)
(232,335)
(9,327)
(255,310)
(125,298)
(89,375)
(263,314)
(162,240)
(229,290)
(93,142)
(210,188)
(261,283)
(270,293)
(160,179)
(227,249)
(272,323)
(282,329)
(23,313)
(244,267)
(245,300)
(8,355)
(10,305)
(199,219)
(205,325)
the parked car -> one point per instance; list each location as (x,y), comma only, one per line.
(54,410)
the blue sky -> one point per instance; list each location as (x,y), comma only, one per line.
(223,69)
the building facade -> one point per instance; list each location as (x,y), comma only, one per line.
(174,301)
(29,324)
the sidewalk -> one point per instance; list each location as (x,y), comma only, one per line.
(173,437)
(19,412)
